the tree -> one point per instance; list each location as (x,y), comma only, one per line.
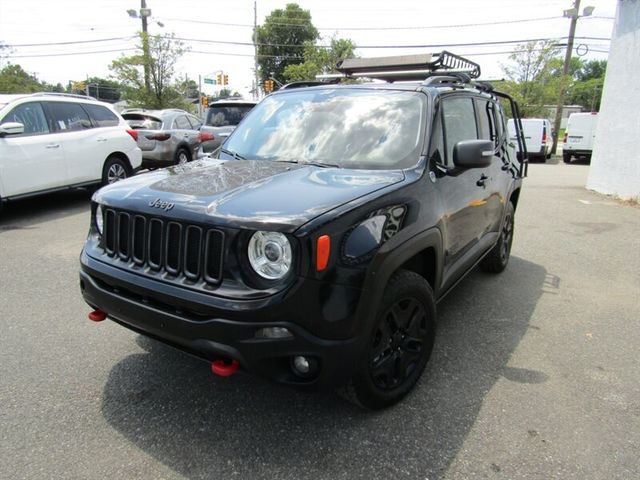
(164,52)
(14,79)
(319,60)
(281,40)
(532,78)
(587,87)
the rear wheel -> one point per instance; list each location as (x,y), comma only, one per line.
(566,157)
(182,156)
(115,169)
(399,346)
(498,258)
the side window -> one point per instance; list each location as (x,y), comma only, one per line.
(459,120)
(437,141)
(69,116)
(102,116)
(195,122)
(486,115)
(181,123)
(31,116)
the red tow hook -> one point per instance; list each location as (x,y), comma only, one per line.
(97,316)
(224,367)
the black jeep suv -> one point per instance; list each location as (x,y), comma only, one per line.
(314,249)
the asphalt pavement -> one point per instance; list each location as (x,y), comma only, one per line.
(535,372)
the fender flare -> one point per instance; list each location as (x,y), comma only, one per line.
(390,257)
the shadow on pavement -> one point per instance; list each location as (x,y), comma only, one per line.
(169,405)
(27,213)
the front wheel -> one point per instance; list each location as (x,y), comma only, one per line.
(399,345)
(114,169)
(182,156)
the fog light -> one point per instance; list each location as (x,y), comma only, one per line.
(274,332)
(301,364)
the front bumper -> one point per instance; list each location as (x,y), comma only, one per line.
(212,336)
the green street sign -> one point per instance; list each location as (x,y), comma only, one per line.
(210,81)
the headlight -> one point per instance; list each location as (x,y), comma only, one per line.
(270,254)
(99,218)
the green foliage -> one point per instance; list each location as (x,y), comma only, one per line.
(164,52)
(319,60)
(104,89)
(14,79)
(282,39)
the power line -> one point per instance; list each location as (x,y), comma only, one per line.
(73,42)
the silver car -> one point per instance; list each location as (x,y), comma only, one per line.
(166,137)
(222,117)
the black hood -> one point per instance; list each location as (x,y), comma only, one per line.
(245,193)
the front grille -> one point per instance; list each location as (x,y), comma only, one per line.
(163,246)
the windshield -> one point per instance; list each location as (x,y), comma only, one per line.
(350,128)
(224,116)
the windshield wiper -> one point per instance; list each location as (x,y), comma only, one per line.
(316,164)
(235,155)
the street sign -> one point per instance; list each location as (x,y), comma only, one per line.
(209,81)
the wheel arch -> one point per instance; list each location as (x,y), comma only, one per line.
(120,155)
(514,197)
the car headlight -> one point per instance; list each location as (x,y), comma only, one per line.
(270,254)
(99,218)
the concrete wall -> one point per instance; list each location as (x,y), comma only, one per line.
(615,164)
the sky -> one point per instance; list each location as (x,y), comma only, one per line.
(106,27)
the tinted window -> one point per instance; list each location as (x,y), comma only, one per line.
(69,116)
(352,128)
(181,123)
(31,116)
(138,121)
(459,122)
(102,116)
(224,116)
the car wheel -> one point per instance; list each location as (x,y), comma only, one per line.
(114,169)
(566,157)
(399,345)
(182,156)
(498,258)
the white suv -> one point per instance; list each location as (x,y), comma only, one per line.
(54,141)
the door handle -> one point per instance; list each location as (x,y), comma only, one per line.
(102,139)
(481,180)
(52,145)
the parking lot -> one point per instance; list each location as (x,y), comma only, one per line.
(534,374)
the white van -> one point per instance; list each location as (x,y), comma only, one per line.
(578,138)
(538,137)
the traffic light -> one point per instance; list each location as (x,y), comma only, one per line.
(268,86)
(219,79)
(225,79)
(204,101)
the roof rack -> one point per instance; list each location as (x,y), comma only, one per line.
(405,67)
(61,94)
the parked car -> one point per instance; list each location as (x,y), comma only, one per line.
(538,135)
(579,135)
(166,137)
(222,117)
(55,141)
(313,250)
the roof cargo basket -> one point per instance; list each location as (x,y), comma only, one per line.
(406,67)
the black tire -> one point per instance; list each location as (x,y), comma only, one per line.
(182,156)
(566,157)
(498,258)
(115,169)
(399,345)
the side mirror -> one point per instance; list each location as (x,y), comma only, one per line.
(473,153)
(11,128)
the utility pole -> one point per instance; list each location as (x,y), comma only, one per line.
(255,50)
(145,44)
(573,14)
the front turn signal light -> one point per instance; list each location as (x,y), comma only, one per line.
(323,251)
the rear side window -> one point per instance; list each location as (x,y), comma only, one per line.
(69,116)
(31,116)
(459,122)
(102,116)
(182,123)
(486,115)
(196,123)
